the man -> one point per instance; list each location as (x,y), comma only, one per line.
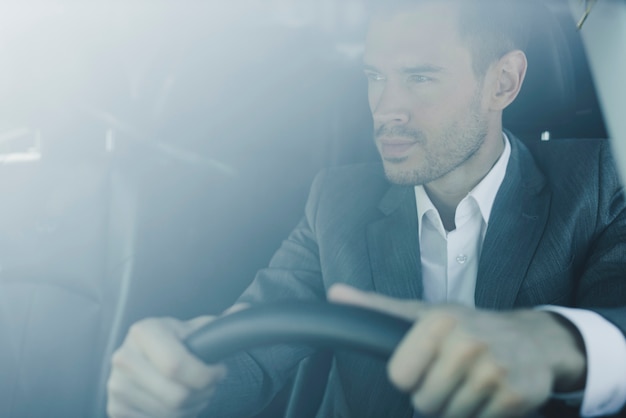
(472,218)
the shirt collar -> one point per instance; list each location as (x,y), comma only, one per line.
(483,194)
(425,206)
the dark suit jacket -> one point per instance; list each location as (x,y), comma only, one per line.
(557,235)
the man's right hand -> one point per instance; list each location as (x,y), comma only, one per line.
(153,374)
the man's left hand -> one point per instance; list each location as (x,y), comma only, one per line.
(461,362)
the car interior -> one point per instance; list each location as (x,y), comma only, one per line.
(153,155)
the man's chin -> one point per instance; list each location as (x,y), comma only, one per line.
(402,177)
(394,161)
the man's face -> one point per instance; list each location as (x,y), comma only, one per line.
(424,96)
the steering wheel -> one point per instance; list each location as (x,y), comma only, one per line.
(318,324)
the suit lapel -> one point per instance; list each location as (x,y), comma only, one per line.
(519,216)
(394,246)
(517,221)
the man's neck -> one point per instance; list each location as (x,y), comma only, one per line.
(447,192)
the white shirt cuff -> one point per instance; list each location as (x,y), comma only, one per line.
(605,389)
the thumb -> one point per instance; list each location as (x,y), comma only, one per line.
(402,308)
(190,326)
(186,328)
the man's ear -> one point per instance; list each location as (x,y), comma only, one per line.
(507,79)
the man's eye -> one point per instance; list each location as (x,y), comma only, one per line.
(374,76)
(417,78)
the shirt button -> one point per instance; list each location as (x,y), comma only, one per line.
(461,258)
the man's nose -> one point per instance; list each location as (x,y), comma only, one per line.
(392,116)
(389,109)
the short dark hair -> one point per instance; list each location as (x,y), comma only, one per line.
(491,28)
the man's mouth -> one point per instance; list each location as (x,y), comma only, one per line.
(393,148)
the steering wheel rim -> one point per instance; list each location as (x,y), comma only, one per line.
(318,324)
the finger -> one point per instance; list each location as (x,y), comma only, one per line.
(191,325)
(236,308)
(159,342)
(135,381)
(517,401)
(418,351)
(481,383)
(121,410)
(126,399)
(520,393)
(448,373)
(116,409)
(407,309)
(504,404)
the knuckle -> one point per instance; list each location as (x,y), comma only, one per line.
(418,402)
(489,377)
(118,359)
(147,326)
(121,361)
(397,375)
(469,347)
(171,367)
(497,374)
(439,321)
(444,318)
(137,330)
(512,400)
(177,398)
(114,391)
(426,347)
(423,404)
(115,409)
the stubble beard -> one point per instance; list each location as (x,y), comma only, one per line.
(458,143)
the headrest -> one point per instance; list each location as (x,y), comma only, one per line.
(548,96)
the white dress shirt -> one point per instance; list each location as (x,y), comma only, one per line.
(450,265)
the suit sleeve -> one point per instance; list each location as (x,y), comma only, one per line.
(603,290)
(602,286)
(294,272)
